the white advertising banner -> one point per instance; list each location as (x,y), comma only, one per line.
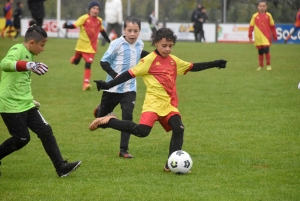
(233,32)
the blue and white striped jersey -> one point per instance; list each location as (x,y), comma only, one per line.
(122,56)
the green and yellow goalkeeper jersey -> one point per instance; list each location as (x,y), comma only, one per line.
(15,87)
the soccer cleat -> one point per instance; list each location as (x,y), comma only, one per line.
(259,68)
(101,121)
(86,86)
(166,169)
(269,68)
(125,154)
(66,168)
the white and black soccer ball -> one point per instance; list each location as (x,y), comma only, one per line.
(180,162)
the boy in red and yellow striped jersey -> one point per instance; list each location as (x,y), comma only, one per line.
(159,70)
(90,25)
(296,26)
(264,28)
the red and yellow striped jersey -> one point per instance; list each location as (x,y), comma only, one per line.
(89,31)
(264,28)
(159,75)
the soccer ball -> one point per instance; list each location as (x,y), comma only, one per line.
(180,162)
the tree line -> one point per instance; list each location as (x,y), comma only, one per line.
(239,11)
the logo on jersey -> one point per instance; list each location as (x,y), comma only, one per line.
(157,63)
(172,63)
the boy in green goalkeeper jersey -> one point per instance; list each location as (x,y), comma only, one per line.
(17,108)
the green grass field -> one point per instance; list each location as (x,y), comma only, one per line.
(241,129)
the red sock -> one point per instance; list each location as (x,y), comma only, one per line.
(261,60)
(268,58)
(87,75)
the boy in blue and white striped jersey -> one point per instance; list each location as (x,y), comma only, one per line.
(122,54)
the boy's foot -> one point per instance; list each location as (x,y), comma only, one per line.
(66,168)
(166,169)
(101,121)
(86,86)
(125,154)
(259,68)
(269,68)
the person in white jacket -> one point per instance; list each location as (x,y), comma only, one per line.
(113,17)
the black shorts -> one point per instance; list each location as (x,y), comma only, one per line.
(110,100)
(18,123)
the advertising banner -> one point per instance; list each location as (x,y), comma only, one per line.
(283,31)
(233,32)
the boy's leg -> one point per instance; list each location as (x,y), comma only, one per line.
(17,127)
(88,57)
(76,58)
(268,57)
(38,125)
(127,105)
(108,103)
(290,34)
(176,141)
(260,58)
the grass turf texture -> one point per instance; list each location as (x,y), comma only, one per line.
(241,130)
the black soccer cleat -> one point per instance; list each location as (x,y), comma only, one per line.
(125,154)
(66,168)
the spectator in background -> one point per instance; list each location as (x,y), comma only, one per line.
(195,20)
(8,18)
(17,18)
(37,10)
(113,17)
(152,21)
(202,19)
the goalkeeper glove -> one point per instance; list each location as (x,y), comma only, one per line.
(36,67)
(221,63)
(102,84)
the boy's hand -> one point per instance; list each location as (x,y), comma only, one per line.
(37,67)
(101,84)
(221,63)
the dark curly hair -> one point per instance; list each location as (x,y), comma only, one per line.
(161,33)
(35,32)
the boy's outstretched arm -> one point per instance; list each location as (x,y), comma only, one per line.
(107,68)
(105,36)
(221,63)
(68,26)
(118,80)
